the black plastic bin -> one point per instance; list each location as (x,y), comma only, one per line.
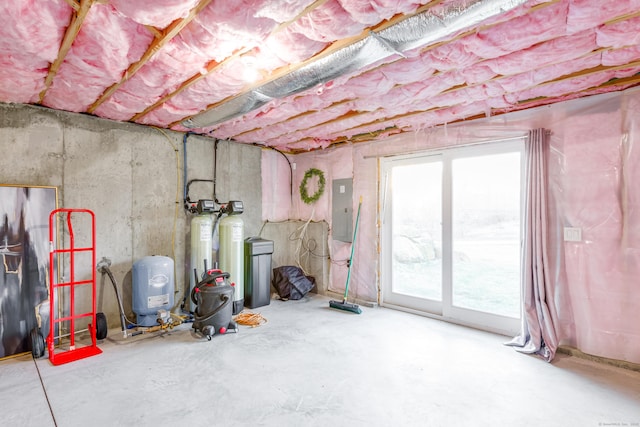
(257,272)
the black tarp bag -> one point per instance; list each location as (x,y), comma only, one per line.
(291,283)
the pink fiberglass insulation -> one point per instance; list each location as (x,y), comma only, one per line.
(556,50)
(450,98)
(165,114)
(433,85)
(290,46)
(401,94)
(30,36)
(537,102)
(371,12)
(226,80)
(372,83)
(584,14)
(477,73)
(395,102)
(621,56)
(369,80)
(451,56)
(282,48)
(272,113)
(105,46)
(568,86)
(488,90)
(161,75)
(327,23)
(304,121)
(321,96)
(225,27)
(529,79)
(390,97)
(122,105)
(366,129)
(499,103)
(620,34)
(520,33)
(431,118)
(230,26)
(379,80)
(387,61)
(283,10)
(408,71)
(157,13)
(321,131)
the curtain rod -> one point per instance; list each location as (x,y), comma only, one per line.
(449,147)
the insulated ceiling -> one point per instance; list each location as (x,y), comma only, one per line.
(300,75)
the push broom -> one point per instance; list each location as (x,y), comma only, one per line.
(344,305)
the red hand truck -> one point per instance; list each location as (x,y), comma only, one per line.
(56,257)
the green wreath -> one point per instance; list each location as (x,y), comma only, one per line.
(304,194)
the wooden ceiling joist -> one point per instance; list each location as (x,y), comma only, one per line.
(212,66)
(497,78)
(621,83)
(74,4)
(342,43)
(69,36)
(526,104)
(170,32)
(339,44)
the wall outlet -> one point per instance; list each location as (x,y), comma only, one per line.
(572,234)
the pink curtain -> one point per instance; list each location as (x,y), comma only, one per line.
(538,332)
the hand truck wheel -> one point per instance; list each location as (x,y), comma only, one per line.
(101,326)
(37,343)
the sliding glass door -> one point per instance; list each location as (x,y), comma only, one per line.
(416,241)
(452,233)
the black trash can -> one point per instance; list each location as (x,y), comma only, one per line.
(257,272)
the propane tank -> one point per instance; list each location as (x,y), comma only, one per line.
(153,288)
(231,255)
(201,244)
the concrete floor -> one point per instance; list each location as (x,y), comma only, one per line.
(311,365)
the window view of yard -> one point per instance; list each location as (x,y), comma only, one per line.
(485,232)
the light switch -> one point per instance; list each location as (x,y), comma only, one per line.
(572,234)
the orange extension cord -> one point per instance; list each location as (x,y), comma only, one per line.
(248,318)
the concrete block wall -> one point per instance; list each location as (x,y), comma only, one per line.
(131,176)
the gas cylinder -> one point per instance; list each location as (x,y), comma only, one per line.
(201,246)
(231,255)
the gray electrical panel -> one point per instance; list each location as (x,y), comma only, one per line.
(342,209)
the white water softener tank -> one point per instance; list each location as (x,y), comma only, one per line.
(153,288)
(231,254)
(201,245)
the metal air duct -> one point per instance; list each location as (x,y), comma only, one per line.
(420,30)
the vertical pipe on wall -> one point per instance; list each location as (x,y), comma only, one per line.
(184,166)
